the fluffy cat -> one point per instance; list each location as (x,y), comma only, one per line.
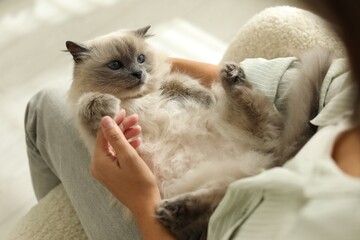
(197,140)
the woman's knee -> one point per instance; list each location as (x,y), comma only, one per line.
(43,105)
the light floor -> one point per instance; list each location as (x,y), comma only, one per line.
(33,33)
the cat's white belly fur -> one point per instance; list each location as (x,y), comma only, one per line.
(189,144)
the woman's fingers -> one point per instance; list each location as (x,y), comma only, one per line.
(132,132)
(120,116)
(136,142)
(129,122)
(113,134)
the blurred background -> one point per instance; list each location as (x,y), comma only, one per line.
(33,33)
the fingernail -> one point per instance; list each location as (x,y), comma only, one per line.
(107,122)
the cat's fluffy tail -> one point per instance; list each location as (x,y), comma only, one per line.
(303,100)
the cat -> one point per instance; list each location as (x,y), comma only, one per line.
(197,140)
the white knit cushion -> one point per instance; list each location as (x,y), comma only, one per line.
(52,218)
(282,32)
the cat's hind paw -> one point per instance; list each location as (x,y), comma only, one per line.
(181,216)
(170,213)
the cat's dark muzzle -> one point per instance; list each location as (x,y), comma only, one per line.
(137,74)
(138,79)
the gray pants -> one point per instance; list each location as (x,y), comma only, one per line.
(56,154)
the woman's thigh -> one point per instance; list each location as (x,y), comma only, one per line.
(58,150)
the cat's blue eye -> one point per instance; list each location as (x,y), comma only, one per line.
(141,58)
(115,65)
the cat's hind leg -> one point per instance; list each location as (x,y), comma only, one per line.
(187,215)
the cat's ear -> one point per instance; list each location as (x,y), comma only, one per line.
(143,32)
(78,51)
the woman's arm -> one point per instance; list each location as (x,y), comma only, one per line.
(116,164)
(346,152)
(205,72)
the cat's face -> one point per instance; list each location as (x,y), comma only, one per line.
(120,63)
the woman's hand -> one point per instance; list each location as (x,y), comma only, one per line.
(117,165)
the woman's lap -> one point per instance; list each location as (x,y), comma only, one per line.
(56,154)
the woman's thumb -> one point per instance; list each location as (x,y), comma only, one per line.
(113,134)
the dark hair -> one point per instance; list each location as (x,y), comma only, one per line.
(345,16)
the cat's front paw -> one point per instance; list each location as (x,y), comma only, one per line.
(93,106)
(232,74)
(234,82)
